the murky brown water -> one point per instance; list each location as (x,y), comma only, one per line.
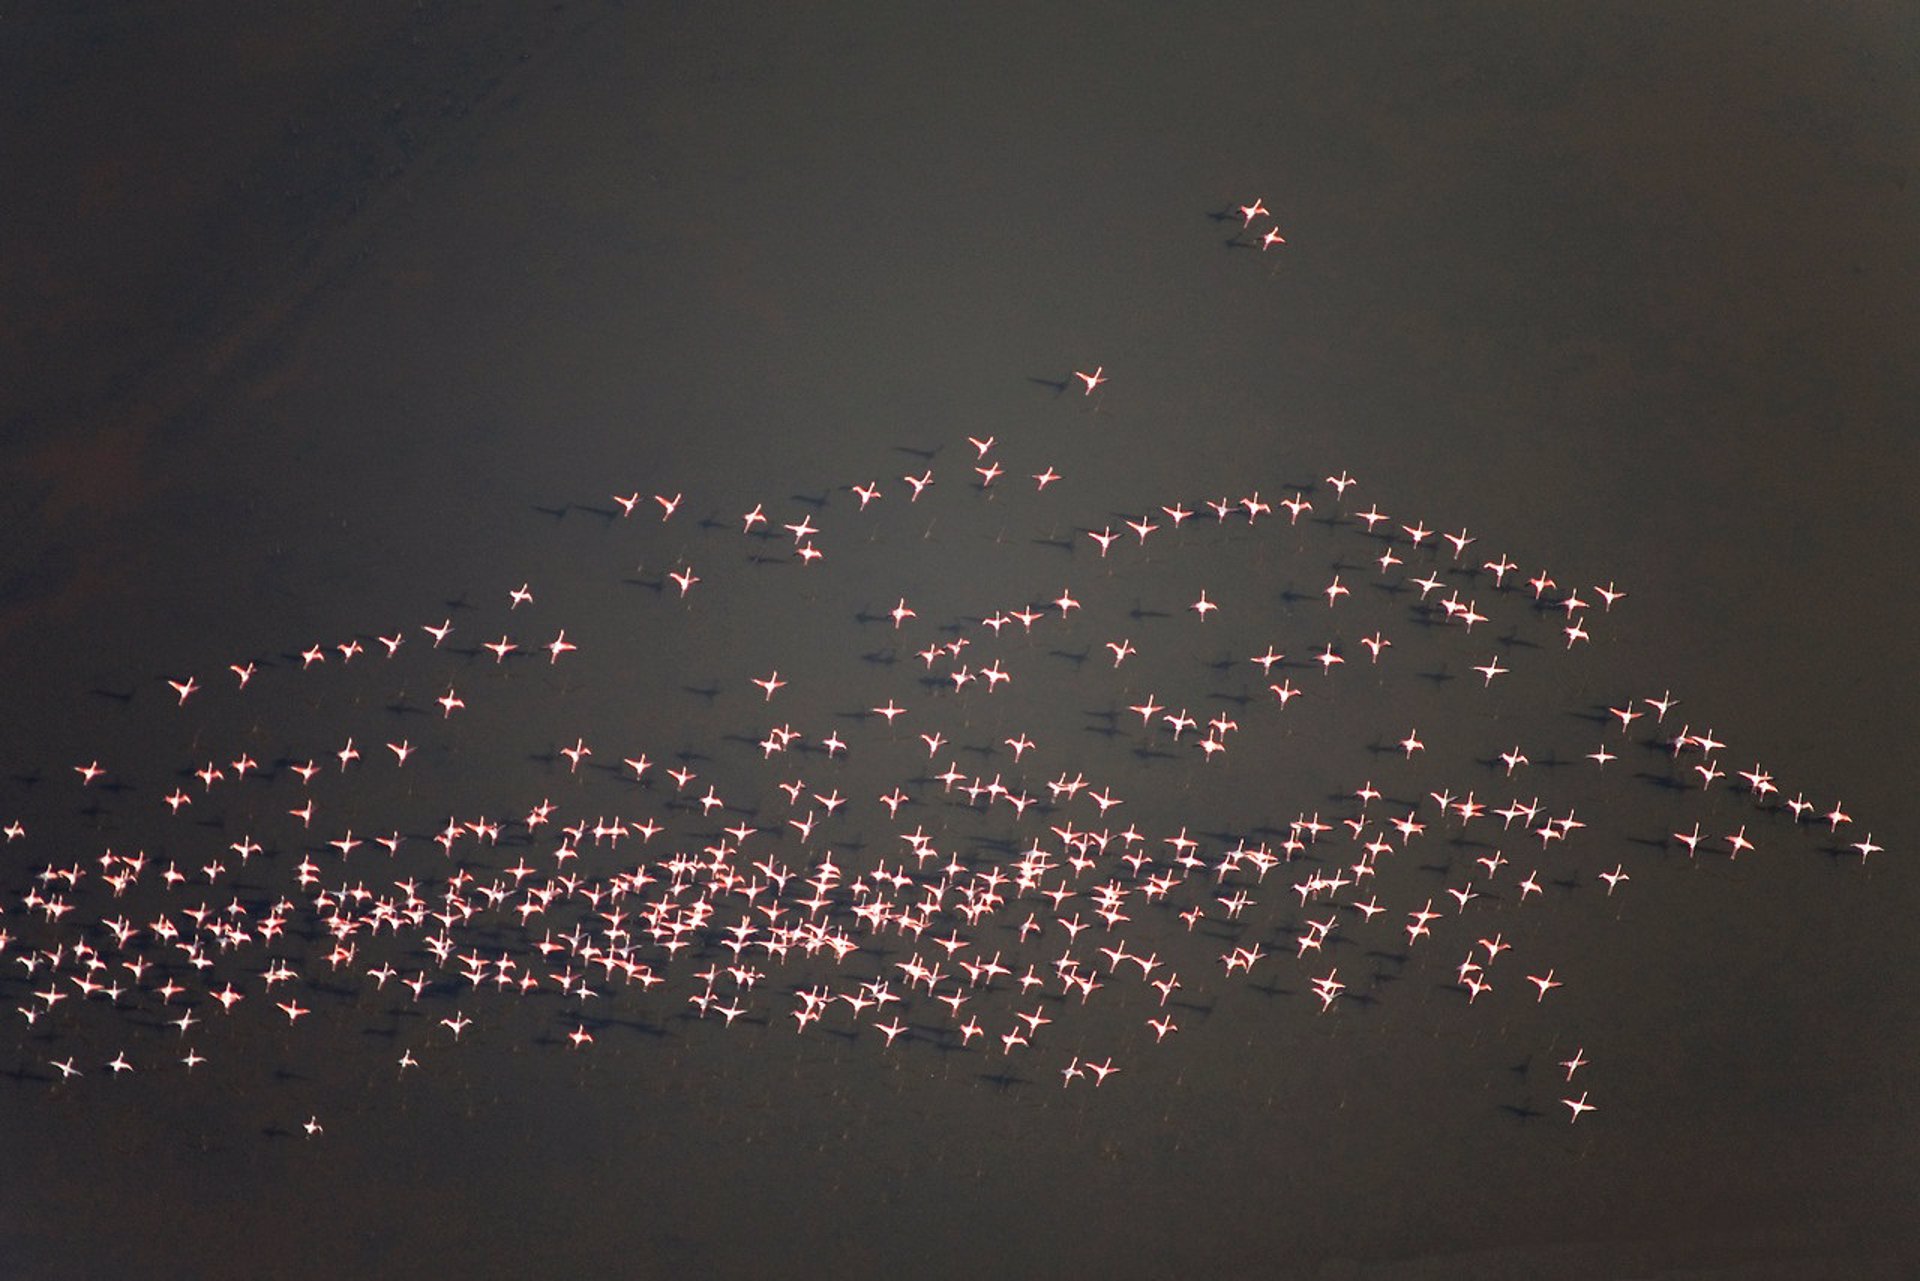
(306,327)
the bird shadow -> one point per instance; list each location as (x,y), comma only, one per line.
(1004,1079)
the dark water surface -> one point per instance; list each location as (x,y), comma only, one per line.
(318,328)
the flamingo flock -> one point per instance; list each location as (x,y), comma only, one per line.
(938,854)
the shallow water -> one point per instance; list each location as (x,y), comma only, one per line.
(1631,308)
